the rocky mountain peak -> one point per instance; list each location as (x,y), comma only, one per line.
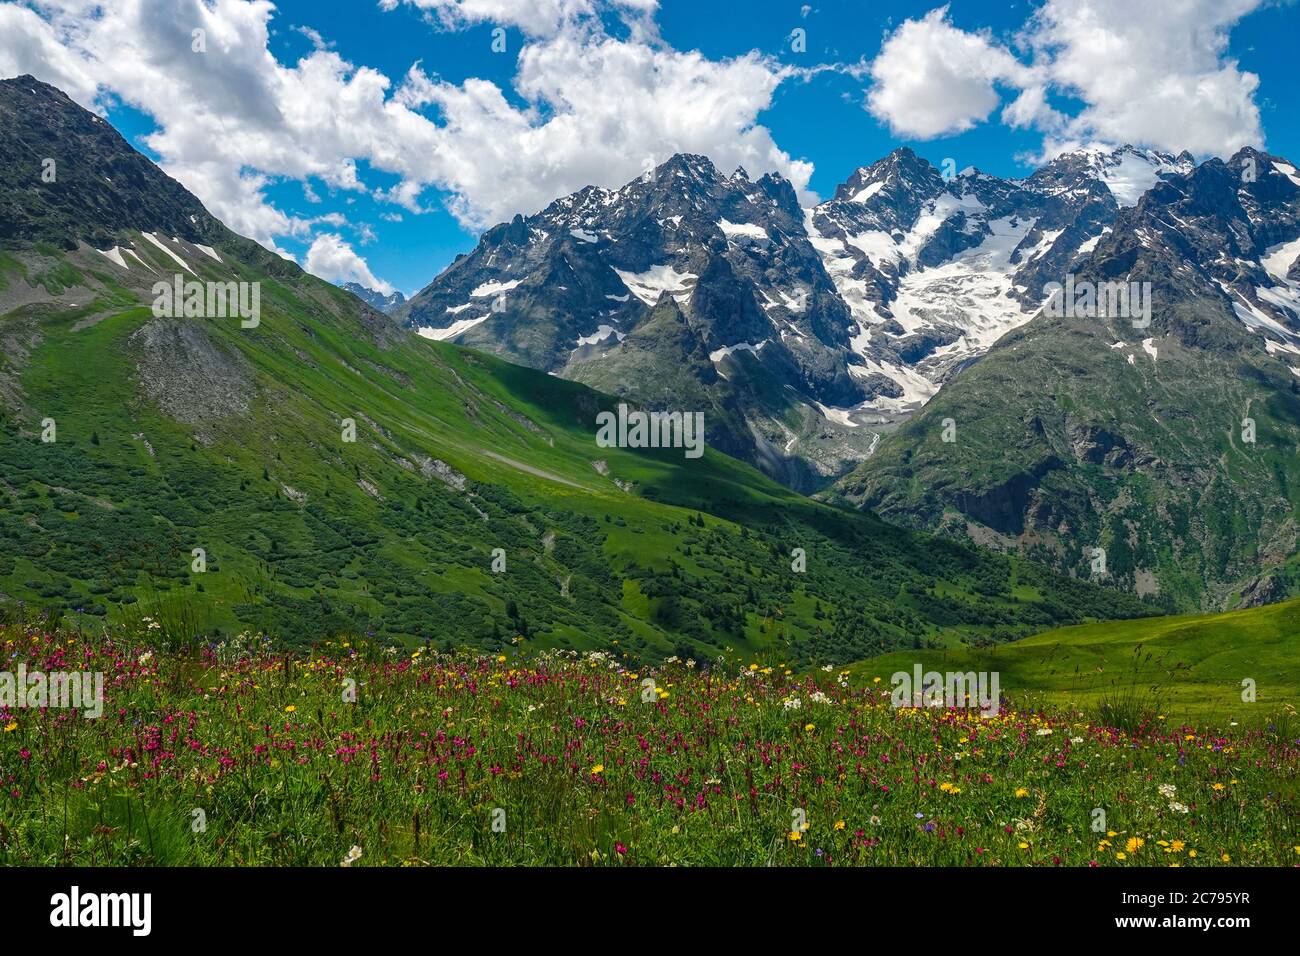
(80,180)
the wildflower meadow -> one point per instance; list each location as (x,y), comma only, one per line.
(360,755)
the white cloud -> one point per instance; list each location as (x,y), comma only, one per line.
(334,260)
(537,18)
(597,111)
(1151,73)
(29,44)
(932,79)
(233,119)
(1146,73)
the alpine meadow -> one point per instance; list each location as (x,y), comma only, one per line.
(625,434)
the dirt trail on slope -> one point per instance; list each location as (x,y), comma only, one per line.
(535,471)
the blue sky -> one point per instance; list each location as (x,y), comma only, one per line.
(815,114)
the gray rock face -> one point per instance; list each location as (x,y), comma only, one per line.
(190,376)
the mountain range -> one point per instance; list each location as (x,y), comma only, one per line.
(820,341)
(308,468)
(385,303)
(806,333)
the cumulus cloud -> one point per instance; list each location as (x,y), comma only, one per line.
(585,107)
(931,79)
(29,44)
(334,260)
(1152,74)
(534,17)
(597,111)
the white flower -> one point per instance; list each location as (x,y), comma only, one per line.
(817,697)
(1043,731)
(353,855)
(792,703)
(1076,740)
(1179,807)
(144,658)
(1168,791)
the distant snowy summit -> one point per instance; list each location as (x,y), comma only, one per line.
(371,297)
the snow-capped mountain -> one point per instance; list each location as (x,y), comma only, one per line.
(806,333)
(1167,440)
(935,269)
(685,285)
(375,298)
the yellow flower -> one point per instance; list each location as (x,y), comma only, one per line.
(809,727)
(1177,846)
(1191,853)
(1024,846)
(290,709)
(839,825)
(1120,856)
(13,725)
(794,836)
(1134,844)
(1225,858)
(501,658)
(599,768)
(1021,792)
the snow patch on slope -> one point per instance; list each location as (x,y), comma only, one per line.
(459,327)
(158,242)
(747,229)
(647,286)
(114,255)
(493,288)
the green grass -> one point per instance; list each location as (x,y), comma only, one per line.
(100,525)
(237,755)
(1171,668)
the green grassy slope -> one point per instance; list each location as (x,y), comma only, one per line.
(1179,667)
(175,434)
